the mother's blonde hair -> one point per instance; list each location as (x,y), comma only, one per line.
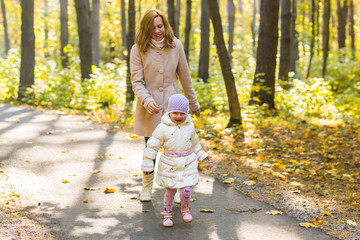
(143,35)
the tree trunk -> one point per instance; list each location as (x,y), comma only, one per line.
(342,15)
(285,43)
(351,28)
(96,33)
(326,34)
(253,26)
(187,29)
(203,71)
(46,31)
(123,25)
(177,17)
(27,48)
(264,81)
(6,34)
(234,105)
(295,39)
(240,7)
(64,38)
(85,36)
(312,36)
(231,19)
(171,14)
(130,41)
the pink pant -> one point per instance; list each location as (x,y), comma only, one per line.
(185,195)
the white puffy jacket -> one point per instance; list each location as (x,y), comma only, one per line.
(174,169)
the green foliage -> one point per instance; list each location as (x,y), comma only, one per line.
(344,81)
(311,98)
(9,76)
(63,88)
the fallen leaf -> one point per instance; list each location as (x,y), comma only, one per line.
(325,213)
(85,200)
(145,210)
(274,212)
(316,221)
(253,177)
(65,181)
(96,171)
(121,206)
(250,183)
(351,223)
(134,197)
(109,190)
(207,210)
(91,189)
(65,151)
(229,180)
(354,203)
(308,225)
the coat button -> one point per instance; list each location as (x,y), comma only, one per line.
(161,89)
(161,71)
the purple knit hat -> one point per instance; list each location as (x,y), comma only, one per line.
(178,103)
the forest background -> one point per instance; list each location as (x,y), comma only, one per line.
(297,132)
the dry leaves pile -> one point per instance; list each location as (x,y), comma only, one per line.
(317,163)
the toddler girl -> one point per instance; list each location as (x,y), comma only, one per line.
(178,165)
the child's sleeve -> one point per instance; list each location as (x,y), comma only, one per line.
(153,145)
(201,154)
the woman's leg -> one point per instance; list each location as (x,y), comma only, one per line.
(148,179)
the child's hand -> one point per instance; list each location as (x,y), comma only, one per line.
(207,158)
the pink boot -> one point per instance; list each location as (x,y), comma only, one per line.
(167,218)
(185,212)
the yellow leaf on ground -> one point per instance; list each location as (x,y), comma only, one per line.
(308,225)
(85,200)
(207,210)
(299,149)
(274,212)
(250,183)
(229,180)
(109,190)
(351,223)
(65,181)
(253,177)
(325,213)
(354,203)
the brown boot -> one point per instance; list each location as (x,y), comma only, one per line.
(146,191)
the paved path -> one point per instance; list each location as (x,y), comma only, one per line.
(39,150)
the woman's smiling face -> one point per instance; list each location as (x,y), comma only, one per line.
(177,117)
(159,29)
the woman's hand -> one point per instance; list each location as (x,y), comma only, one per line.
(197,113)
(153,108)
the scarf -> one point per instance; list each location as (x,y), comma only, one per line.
(158,44)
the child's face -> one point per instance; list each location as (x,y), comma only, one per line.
(177,117)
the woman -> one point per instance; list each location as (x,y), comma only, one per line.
(156,60)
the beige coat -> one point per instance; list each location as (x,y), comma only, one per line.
(153,78)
